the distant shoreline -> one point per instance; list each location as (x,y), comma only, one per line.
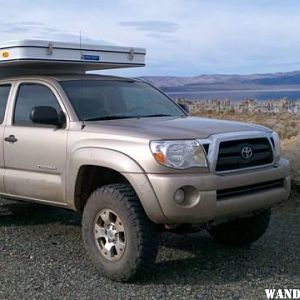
(237,95)
(237,91)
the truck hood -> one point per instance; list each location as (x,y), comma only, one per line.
(170,127)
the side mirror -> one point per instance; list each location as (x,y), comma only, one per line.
(47,115)
(185,107)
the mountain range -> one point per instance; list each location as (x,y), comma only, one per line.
(220,82)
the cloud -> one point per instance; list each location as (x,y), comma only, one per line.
(162,37)
(152,26)
(40,31)
(30,27)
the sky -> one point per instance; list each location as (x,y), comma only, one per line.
(182,37)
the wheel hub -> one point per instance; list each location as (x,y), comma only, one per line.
(110,234)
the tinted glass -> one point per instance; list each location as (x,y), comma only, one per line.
(96,99)
(4,92)
(29,96)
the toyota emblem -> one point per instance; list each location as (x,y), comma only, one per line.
(246,152)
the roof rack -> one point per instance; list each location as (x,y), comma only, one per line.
(46,57)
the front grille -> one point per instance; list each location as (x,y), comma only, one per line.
(231,157)
(249,189)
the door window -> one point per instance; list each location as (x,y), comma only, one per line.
(29,96)
(4,92)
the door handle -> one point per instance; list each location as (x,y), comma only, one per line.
(10,139)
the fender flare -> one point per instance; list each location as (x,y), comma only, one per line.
(119,162)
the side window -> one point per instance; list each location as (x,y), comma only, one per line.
(4,92)
(29,96)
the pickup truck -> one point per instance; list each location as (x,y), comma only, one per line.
(132,162)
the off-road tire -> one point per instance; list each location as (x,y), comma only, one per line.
(141,235)
(243,231)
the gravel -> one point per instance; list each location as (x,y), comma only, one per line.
(42,257)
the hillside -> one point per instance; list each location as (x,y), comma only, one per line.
(272,81)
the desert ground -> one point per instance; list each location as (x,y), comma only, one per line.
(42,257)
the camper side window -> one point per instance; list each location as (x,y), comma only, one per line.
(4,93)
(29,96)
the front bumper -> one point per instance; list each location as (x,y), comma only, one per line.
(206,206)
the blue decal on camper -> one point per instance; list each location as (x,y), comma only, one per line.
(90,57)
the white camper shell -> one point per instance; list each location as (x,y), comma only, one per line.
(37,56)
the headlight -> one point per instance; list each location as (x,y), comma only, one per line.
(180,154)
(277,146)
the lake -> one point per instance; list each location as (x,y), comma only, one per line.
(237,95)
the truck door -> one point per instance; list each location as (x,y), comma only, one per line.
(34,154)
(4,93)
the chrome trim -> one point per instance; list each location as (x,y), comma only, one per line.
(45,167)
(214,144)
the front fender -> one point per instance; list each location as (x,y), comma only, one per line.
(121,163)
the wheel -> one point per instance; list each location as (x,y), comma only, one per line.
(117,234)
(243,231)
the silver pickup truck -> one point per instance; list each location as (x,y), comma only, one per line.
(133,163)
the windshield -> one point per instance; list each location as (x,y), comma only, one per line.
(111,99)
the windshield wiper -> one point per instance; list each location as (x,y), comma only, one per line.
(115,117)
(109,118)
